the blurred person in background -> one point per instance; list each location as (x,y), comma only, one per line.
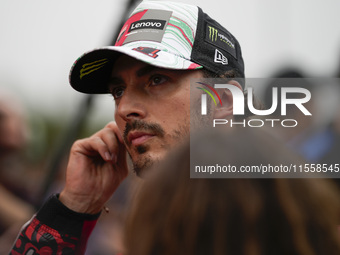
(14,209)
(315,138)
(332,156)
(304,138)
(174,214)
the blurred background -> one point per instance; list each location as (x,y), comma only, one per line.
(40,40)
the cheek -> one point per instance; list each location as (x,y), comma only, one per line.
(182,105)
(173,114)
(120,123)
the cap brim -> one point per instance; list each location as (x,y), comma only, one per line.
(91,72)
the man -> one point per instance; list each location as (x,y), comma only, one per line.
(161,47)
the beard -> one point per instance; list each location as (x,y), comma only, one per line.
(145,161)
(191,123)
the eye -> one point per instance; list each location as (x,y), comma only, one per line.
(117,92)
(157,79)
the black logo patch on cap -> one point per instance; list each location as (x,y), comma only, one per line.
(148,24)
(221,39)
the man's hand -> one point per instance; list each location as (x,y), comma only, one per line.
(96,167)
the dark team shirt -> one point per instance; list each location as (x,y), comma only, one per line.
(55,229)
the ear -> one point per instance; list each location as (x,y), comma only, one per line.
(225,111)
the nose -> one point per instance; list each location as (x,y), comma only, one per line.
(132,106)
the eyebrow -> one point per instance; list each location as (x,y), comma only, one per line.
(146,70)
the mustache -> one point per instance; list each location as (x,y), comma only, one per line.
(142,125)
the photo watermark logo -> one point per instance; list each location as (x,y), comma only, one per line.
(297,115)
(241,102)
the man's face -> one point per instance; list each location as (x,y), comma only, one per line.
(152,108)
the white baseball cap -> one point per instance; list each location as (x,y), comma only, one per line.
(169,35)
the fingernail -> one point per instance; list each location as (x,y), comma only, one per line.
(108,156)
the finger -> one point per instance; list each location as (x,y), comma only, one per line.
(113,125)
(93,146)
(111,141)
(119,150)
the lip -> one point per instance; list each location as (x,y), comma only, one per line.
(137,138)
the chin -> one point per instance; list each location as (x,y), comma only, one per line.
(146,162)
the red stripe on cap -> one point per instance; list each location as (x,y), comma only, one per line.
(124,31)
(194,66)
(180,29)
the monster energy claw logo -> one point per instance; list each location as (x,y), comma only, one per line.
(213,32)
(91,67)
